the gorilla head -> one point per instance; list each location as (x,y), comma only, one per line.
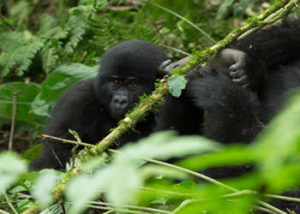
(93,107)
(127,71)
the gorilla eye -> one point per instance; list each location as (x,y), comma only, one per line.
(116,81)
(132,82)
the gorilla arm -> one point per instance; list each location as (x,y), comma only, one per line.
(77,110)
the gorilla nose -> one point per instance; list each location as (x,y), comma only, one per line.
(120,102)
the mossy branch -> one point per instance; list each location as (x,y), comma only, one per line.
(278,10)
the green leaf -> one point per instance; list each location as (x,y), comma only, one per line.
(123,173)
(223,9)
(123,177)
(19,49)
(231,155)
(78,25)
(283,136)
(49,29)
(164,145)
(10,41)
(28,53)
(242,6)
(119,177)
(49,59)
(43,188)
(11,168)
(85,188)
(28,179)
(25,96)
(33,152)
(57,82)
(95,163)
(152,170)
(56,208)
(176,85)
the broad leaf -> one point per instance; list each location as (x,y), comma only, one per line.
(25,94)
(11,168)
(57,82)
(176,85)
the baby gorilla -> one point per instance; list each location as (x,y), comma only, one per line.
(91,108)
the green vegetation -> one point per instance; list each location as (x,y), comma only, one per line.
(46,46)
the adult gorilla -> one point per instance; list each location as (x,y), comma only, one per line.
(240,91)
(242,87)
(91,108)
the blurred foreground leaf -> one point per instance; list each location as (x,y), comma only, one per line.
(11,168)
(42,190)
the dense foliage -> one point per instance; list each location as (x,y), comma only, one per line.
(46,46)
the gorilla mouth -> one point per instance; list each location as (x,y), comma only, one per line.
(119,113)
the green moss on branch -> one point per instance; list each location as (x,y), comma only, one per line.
(278,10)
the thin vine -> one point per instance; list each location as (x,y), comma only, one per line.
(278,10)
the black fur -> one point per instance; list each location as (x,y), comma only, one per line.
(91,108)
(271,61)
(273,54)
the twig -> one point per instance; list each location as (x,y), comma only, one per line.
(187,21)
(235,191)
(199,175)
(183,204)
(121,8)
(179,194)
(248,192)
(271,15)
(13,119)
(269,206)
(10,204)
(196,174)
(67,141)
(286,198)
(211,180)
(150,102)
(121,210)
(264,210)
(63,208)
(131,207)
(109,212)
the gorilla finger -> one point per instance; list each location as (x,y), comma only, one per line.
(163,66)
(242,80)
(235,67)
(246,85)
(172,66)
(238,73)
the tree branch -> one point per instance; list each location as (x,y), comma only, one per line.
(279,9)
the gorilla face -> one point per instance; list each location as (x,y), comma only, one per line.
(125,93)
(127,71)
